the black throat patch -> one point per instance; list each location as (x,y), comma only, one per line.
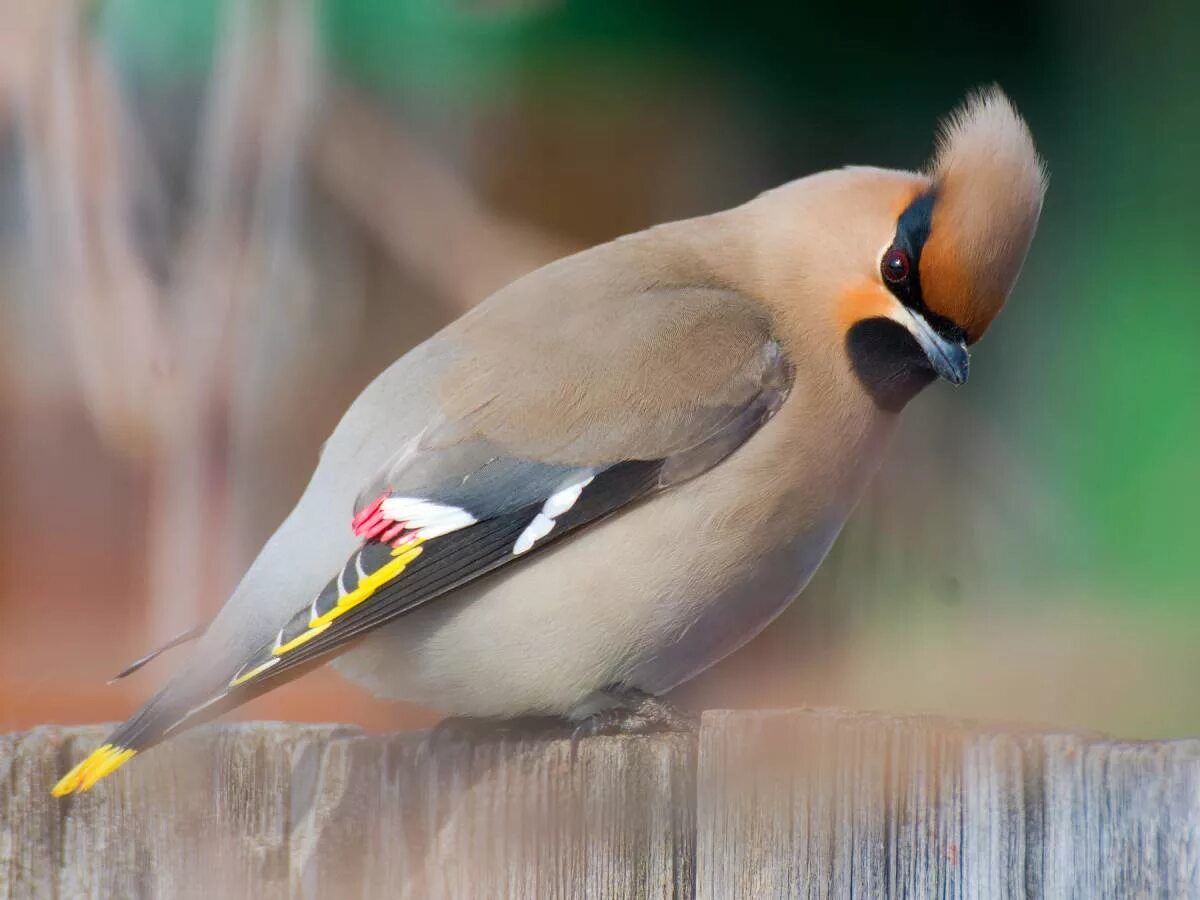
(888,362)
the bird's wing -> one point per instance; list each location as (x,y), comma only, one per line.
(440,515)
(534,440)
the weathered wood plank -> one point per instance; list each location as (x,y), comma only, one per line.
(30,828)
(802,803)
(827,804)
(503,818)
(1122,819)
(312,811)
(831,806)
(200,817)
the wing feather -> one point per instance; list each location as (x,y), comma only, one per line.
(518,416)
(430,569)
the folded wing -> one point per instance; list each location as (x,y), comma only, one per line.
(490,484)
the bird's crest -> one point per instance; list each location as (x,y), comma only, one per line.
(989,181)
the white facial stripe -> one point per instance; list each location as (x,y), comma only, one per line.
(948,359)
(901,315)
(913,322)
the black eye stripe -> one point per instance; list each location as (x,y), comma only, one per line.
(912,231)
(915,223)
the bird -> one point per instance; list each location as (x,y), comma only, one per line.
(618,469)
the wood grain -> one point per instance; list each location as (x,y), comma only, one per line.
(812,803)
(827,804)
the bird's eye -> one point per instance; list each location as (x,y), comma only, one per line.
(895,266)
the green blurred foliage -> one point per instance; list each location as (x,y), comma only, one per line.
(161,39)
(1093,370)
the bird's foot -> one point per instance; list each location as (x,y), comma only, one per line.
(631,712)
(634,712)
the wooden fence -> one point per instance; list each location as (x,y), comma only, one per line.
(812,803)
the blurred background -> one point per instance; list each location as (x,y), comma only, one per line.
(218,220)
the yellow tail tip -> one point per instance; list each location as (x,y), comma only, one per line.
(102,762)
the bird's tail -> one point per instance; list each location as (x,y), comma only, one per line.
(162,717)
(176,708)
(139,733)
(102,761)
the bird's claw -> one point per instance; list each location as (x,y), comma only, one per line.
(633,713)
(638,713)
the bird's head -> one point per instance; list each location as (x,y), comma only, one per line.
(919,264)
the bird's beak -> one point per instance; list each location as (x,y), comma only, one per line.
(950,359)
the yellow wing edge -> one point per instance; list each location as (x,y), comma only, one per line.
(106,759)
(401,557)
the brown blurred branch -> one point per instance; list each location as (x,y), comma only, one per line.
(78,153)
(417,207)
(164,348)
(159,361)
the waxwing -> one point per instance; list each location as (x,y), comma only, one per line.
(618,469)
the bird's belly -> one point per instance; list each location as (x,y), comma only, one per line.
(642,599)
(736,614)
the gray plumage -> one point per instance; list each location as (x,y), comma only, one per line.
(729,381)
